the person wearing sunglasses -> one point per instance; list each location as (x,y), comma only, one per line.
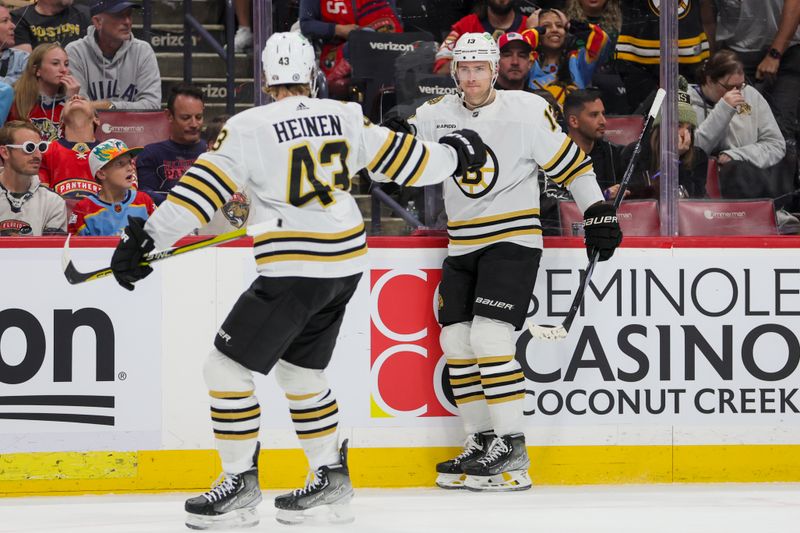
(26,207)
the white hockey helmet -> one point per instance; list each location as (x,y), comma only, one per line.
(288,58)
(476,47)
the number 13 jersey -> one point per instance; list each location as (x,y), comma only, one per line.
(500,203)
(296,157)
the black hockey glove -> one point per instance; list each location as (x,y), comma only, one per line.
(601,230)
(134,244)
(469,148)
(400,125)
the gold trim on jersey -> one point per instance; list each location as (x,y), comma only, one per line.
(218,173)
(308,235)
(211,194)
(189,205)
(294,255)
(300,397)
(235,417)
(310,415)
(509,379)
(399,157)
(235,436)
(642,51)
(421,165)
(390,139)
(236,395)
(467,398)
(502,217)
(526,223)
(506,234)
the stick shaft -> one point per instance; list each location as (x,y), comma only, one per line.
(649,120)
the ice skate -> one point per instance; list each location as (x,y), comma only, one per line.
(325,498)
(450,473)
(230,503)
(504,466)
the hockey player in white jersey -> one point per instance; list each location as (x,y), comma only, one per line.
(495,241)
(296,156)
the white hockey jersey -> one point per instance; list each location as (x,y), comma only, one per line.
(296,158)
(500,203)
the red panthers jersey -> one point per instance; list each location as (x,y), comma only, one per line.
(65,169)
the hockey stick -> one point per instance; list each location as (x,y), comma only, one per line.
(555,333)
(74,276)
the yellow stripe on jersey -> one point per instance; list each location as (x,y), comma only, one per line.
(233,417)
(504,399)
(574,163)
(313,415)
(582,169)
(297,255)
(502,217)
(301,397)
(230,395)
(511,378)
(649,43)
(547,167)
(309,235)
(218,173)
(400,156)
(420,167)
(209,192)
(194,209)
(493,238)
(379,156)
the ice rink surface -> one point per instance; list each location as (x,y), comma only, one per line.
(728,508)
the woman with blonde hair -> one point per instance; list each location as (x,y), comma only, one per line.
(605,13)
(40,93)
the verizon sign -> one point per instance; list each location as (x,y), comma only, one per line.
(80,366)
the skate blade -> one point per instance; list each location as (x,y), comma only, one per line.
(239,518)
(450,481)
(332,513)
(505,482)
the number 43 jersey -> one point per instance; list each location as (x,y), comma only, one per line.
(500,203)
(296,157)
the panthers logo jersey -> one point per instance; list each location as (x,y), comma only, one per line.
(500,202)
(296,157)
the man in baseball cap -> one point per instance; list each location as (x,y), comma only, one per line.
(515,61)
(112,6)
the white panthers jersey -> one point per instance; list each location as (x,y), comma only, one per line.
(500,203)
(296,158)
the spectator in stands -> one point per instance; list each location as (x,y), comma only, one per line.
(604,13)
(638,46)
(211,132)
(330,22)
(115,69)
(106,213)
(736,125)
(693,166)
(45,84)
(585,116)
(494,16)
(515,61)
(28,208)
(12,60)
(162,164)
(243,39)
(49,21)
(563,61)
(766,38)
(65,165)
